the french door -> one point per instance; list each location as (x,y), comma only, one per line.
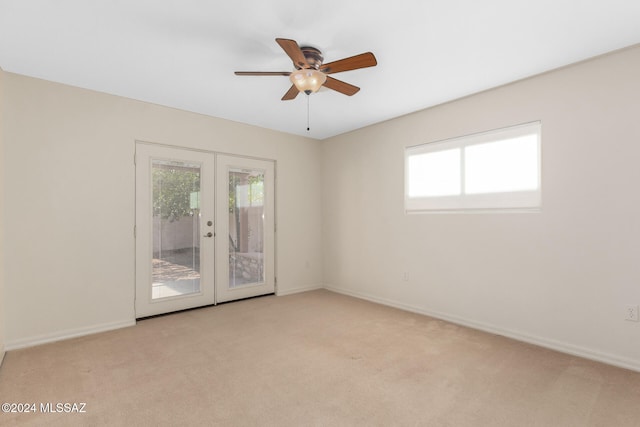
(204,228)
(245,228)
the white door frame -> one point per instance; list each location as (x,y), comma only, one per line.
(214,252)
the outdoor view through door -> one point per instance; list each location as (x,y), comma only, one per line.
(176,229)
(246,227)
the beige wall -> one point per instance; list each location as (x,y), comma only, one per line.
(2,205)
(70,204)
(561,277)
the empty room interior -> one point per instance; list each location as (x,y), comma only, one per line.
(271,213)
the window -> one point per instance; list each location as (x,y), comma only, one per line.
(498,169)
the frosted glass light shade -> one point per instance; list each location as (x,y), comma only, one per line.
(308,80)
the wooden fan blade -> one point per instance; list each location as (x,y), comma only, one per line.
(292,49)
(340,86)
(363,60)
(262,73)
(291,93)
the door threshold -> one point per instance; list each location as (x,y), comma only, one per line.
(138,319)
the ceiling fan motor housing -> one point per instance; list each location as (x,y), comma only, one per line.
(313,56)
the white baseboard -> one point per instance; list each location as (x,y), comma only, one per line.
(297,290)
(571,349)
(66,334)
(74,333)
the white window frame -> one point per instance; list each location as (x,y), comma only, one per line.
(525,201)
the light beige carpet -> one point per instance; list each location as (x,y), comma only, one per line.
(318,359)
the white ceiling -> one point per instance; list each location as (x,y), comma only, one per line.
(183,53)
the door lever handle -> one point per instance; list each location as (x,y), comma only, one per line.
(209,234)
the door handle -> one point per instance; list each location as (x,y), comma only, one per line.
(209,234)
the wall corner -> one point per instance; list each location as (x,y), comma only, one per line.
(2,204)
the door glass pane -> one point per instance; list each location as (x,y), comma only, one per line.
(176,228)
(246,227)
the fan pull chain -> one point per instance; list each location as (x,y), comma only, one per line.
(308,96)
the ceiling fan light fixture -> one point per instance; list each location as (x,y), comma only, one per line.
(308,80)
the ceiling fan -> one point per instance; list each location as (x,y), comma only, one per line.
(310,73)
